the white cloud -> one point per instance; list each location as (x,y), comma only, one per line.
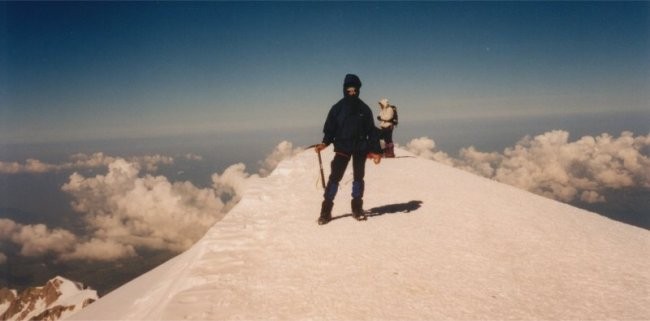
(10,167)
(193,157)
(100,250)
(7,228)
(89,161)
(151,162)
(148,162)
(30,166)
(425,147)
(123,208)
(82,161)
(36,239)
(281,152)
(231,184)
(591,197)
(551,165)
(479,162)
(127,209)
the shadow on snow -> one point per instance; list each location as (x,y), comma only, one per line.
(388,209)
(395,208)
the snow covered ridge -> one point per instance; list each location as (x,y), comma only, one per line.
(58,298)
(439,244)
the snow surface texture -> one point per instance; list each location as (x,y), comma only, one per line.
(440,243)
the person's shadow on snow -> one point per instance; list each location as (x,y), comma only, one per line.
(395,208)
(388,209)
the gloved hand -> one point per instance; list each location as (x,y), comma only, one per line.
(376,158)
(320,147)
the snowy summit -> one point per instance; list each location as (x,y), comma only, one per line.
(439,243)
(58,298)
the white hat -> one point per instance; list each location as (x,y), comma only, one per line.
(383,102)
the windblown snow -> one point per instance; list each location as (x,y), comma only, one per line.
(440,243)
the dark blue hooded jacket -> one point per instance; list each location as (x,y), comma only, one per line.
(350,125)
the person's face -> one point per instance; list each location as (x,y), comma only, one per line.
(351,91)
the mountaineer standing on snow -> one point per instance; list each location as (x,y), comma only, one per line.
(350,126)
(387,122)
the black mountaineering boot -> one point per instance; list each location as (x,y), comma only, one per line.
(357,209)
(325,212)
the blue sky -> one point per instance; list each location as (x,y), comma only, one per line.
(78,71)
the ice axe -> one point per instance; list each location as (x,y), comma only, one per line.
(320,163)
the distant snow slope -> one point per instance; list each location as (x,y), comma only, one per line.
(441,244)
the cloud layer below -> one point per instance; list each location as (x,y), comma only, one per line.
(552,166)
(128,208)
(84,161)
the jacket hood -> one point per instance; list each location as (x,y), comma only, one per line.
(351,80)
